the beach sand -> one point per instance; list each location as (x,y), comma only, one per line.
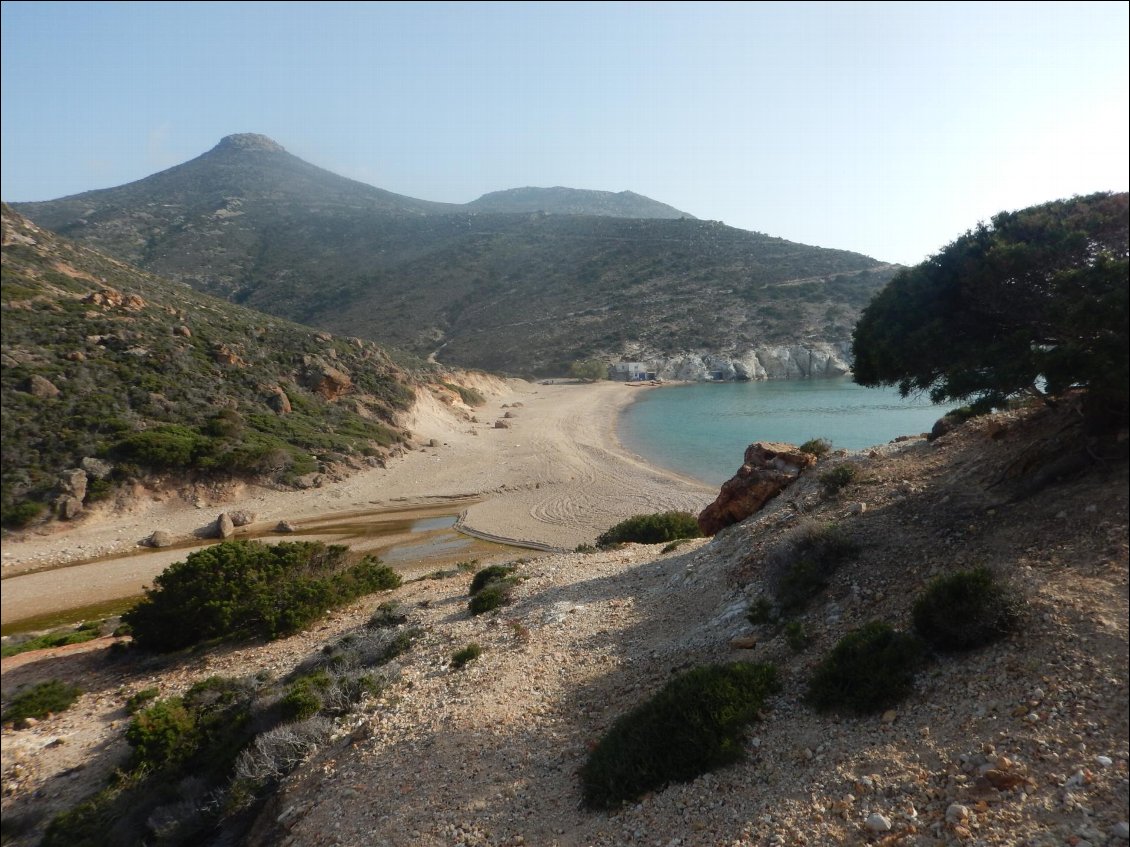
(556,478)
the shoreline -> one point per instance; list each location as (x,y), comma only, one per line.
(556,477)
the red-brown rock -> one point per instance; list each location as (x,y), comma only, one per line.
(768,468)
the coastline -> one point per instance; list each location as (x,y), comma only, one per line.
(556,477)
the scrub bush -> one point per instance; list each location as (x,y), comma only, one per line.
(241,589)
(870,669)
(39,701)
(658,528)
(965,610)
(695,724)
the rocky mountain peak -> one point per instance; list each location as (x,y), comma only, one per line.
(250,141)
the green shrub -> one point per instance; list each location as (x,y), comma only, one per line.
(165,446)
(469,653)
(138,700)
(965,610)
(239,589)
(162,734)
(303,700)
(796,636)
(838,478)
(658,528)
(695,724)
(800,564)
(761,612)
(491,597)
(818,447)
(20,515)
(870,669)
(39,701)
(489,574)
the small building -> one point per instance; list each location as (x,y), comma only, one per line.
(630,372)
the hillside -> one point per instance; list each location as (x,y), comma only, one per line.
(1021,742)
(112,375)
(522,292)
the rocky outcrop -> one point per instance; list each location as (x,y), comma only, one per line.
(814,360)
(767,469)
(277,400)
(328,382)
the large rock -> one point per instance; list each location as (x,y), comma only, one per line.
(767,469)
(96,467)
(39,386)
(225,528)
(242,517)
(328,382)
(159,538)
(73,482)
(277,400)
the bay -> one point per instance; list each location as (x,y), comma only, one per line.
(701,430)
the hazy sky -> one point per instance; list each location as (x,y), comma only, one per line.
(885,128)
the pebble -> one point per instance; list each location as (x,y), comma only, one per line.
(957,813)
(1121,830)
(877,823)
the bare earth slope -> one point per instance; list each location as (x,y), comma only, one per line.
(1021,743)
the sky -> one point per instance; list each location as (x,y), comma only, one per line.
(883,128)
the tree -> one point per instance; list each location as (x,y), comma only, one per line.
(1034,301)
(590,370)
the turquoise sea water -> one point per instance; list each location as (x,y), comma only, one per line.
(702,430)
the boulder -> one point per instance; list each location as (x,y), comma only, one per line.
(768,468)
(68,508)
(38,386)
(286,526)
(225,528)
(96,467)
(182,331)
(501,424)
(73,483)
(278,401)
(242,517)
(159,538)
(326,381)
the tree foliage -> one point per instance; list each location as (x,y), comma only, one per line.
(1035,300)
(590,370)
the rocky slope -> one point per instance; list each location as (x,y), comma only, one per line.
(1021,743)
(493,284)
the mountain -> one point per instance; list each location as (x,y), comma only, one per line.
(575,201)
(111,375)
(518,292)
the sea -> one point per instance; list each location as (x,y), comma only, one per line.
(701,430)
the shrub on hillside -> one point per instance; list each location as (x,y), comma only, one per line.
(469,653)
(818,447)
(489,574)
(696,723)
(493,596)
(658,528)
(838,478)
(965,610)
(870,669)
(240,589)
(799,565)
(39,701)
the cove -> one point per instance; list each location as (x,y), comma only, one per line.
(701,430)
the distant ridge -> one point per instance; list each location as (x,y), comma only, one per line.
(521,281)
(576,201)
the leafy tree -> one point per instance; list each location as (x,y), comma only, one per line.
(1034,301)
(590,370)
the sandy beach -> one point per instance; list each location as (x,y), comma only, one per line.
(557,477)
